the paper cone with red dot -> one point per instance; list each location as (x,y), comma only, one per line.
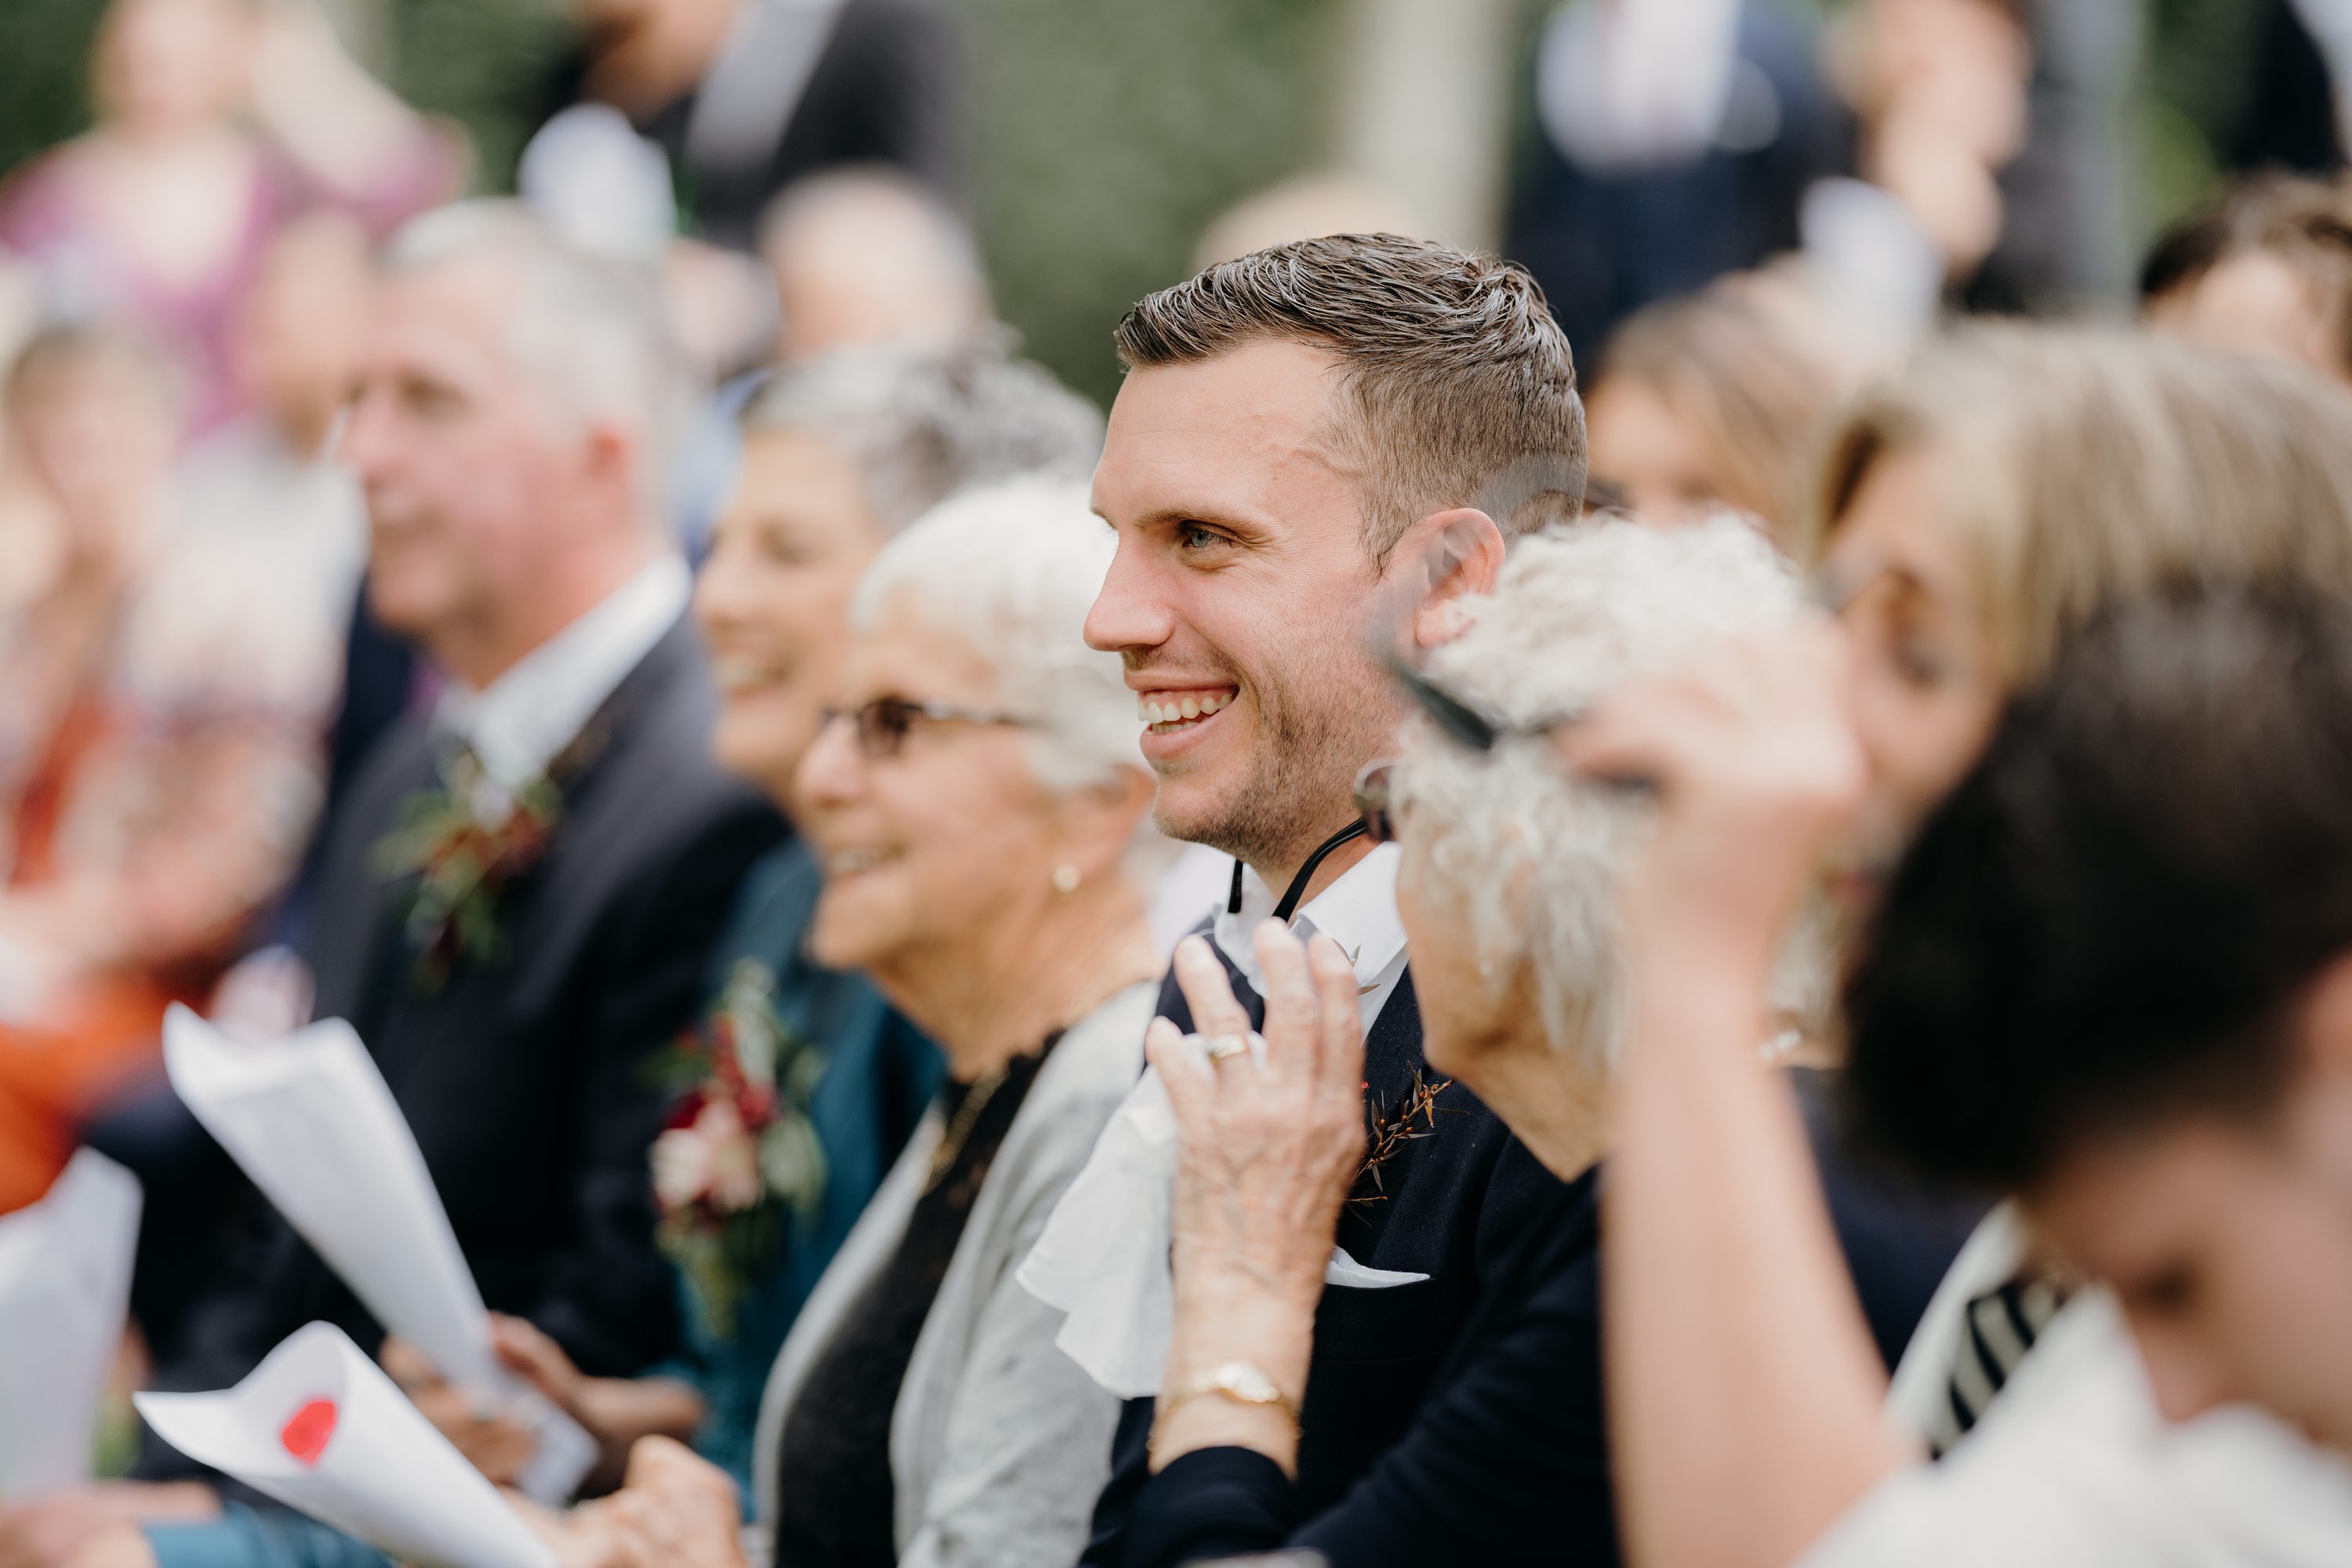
(319,1428)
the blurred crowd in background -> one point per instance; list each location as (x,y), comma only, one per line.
(1739,210)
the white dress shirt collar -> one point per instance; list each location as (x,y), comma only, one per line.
(1358,911)
(518,723)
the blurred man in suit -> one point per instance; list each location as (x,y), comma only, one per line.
(509,426)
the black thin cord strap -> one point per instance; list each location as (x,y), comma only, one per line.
(1298,889)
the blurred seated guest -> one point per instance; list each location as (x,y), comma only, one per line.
(1976,512)
(869,255)
(839,456)
(1712,401)
(1307,206)
(268,487)
(2169,1101)
(744,97)
(2267,269)
(1991,130)
(160,706)
(509,427)
(1677,140)
(921,1412)
(1506,887)
(218,121)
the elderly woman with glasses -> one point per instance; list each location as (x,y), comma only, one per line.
(976,801)
(1507,891)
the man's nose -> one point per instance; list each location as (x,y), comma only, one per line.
(1132,611)
(2188,1379)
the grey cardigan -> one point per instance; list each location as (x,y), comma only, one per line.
(999,1442)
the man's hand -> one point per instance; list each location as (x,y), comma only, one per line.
(96,1526)
(492,1444)
(674,1511)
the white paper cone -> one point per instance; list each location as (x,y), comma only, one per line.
(319,1428)
(311,1120)
(65,1285)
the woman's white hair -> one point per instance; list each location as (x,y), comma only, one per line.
(1011,569)
(1532,858)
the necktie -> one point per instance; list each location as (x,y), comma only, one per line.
(1997,1329)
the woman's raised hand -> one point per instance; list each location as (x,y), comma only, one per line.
(1752,753)
(1268,1141)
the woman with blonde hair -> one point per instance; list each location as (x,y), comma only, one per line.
(1715,400)
(1974,511)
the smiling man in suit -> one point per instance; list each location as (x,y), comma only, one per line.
(1302,432)
(509,425)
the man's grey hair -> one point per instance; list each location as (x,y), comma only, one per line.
(591,332)
(1012,570)
(1531,858)
(919,424)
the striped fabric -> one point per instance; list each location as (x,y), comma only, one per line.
(1999,1327)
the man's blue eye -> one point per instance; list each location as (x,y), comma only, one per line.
(1193,536)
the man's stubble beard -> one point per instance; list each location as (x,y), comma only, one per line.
(1301,771)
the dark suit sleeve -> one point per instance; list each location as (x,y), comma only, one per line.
(1506,1463)
(608,1299)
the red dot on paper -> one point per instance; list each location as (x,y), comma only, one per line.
(305,1434)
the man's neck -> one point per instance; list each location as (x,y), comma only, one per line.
(1277,875)
(477,652)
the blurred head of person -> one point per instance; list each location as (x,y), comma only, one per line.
(164,69)
(840,455)
(1303,208)
(300,328)
(2268,270)
(94,420)
(1941,88)
(978,802)
(1508,885)
(1709,401)
(1984,502)
(2114,977)
(515,404)
(870,255)
(1292,424)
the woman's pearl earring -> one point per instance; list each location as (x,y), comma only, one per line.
(1066,877)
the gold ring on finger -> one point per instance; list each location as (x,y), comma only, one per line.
(1220,1047)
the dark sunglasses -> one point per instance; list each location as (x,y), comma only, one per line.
(881,725)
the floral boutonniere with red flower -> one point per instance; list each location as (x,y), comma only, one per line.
(739,1152)
(467,844)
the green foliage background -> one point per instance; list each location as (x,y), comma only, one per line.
(1108,131)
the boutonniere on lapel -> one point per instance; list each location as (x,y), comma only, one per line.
(1388,1133)
(738,1149)
(467,843)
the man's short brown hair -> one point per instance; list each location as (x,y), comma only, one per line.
(1459,388)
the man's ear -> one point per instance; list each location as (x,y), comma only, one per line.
(1458,554)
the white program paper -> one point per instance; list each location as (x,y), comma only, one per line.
(65,1286)
(311,1120)
(319,1428)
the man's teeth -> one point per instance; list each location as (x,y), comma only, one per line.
(736,674)
(1176,707)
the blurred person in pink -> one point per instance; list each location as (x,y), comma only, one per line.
(158,712)
(218,120)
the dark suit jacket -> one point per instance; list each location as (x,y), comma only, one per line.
(888,89)
(1427,1405)
(526,1081)
(1460,1419)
